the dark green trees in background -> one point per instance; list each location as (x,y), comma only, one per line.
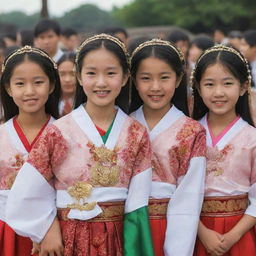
(194,15)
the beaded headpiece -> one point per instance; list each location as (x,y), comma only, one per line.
(28,49)
(218,48)
(157,41)
(99,37)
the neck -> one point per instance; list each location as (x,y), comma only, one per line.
(32,119)
(221,121)
(100,116)
(153,116)
(67,96)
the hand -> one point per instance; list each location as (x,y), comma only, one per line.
(230,238)
(36,248)
(51,245)
(212,241)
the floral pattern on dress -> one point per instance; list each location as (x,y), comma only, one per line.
(191,143)
(48,152)
(215,158)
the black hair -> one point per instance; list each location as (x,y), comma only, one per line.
(9,50)
(250,37)
(45,25)
(135,42)
(171,57)
(122,99)
(9,106)
(11,35)
(202,42)
(236,66)
(114,30)
(68,32)
(27,37)
(235,34)
(177,35)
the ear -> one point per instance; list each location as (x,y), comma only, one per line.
(244,88)
(52,87)
(8,90)
(125,79)
(78,76)
(178,80)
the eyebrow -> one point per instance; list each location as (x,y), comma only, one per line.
(146,73)
(94,68)
(211,79)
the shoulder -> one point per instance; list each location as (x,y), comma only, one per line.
(192,126)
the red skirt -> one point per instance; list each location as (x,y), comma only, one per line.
(100,236)
(157,219)
(12,244)
(246,246)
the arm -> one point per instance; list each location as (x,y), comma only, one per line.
(31,206)
(185,205)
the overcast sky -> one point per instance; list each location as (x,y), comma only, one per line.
(56,7)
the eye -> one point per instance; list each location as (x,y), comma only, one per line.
(145,78)
(208,84)
(90,73)
(38,82)
(165,77)
(111,73)
(228,83)
(19,84)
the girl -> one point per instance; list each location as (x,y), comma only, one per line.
(90,168)
(178,144)
(221,81)
(66,67)
(29,93)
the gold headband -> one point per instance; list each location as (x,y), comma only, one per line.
(102,37)
(28,49)
(157,41)
(219,48)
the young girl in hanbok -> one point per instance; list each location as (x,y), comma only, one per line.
(29,94)
(222,82)
(68,81)
(178,145)
(90,171)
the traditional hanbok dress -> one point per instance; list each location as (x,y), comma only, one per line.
(94,185)
(230,189)
(14,148)
(178,164)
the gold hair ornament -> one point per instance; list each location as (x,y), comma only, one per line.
(102,37)
(28,49)
(225,48)
(157,41)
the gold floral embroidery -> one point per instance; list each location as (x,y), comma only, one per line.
(105,171)
(225,206)
(10,180)
(215,157)
(157,208)
(80,191)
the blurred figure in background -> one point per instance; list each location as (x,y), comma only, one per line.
(66,68)
(235,38)
(118,32)
(47,36)
(25,37)
(248,49)
(69,39)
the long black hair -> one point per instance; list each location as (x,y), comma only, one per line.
(237,66)
(122,99)
(9,106)
(169,55)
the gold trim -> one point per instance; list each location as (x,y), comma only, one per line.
(102,37)
(157,41)
(27,49)
(111,211)
(157,208)
(224,206)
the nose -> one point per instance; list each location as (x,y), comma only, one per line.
(155,85)
(218,91)
(29,89)
(101,81)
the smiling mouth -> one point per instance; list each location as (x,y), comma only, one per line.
(155,97)
(30,100)
(102,93)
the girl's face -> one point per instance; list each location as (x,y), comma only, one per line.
(101,77)
(220,90)
(67,77)
(156,82)
(29,87)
